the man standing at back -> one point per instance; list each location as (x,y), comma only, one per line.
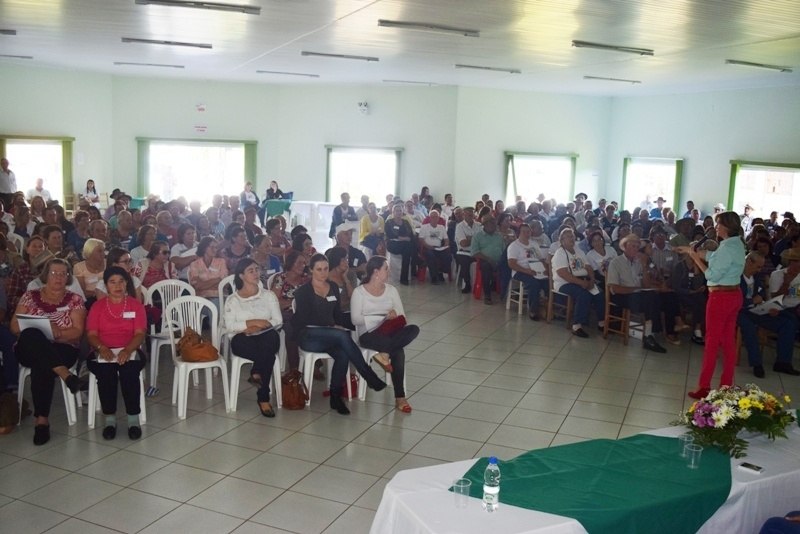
(342,213)
(8,183)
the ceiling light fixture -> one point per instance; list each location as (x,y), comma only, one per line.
(493,69)
(759,65)
(215,6)
(338,56)
(410,82)
(8,32)
(614,48)
(602,78)
(168,43)
(287,73)
(13,56)
(428,27)
(134,64)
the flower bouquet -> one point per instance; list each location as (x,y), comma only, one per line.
(717,419)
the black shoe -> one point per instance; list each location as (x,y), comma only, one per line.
(109,432)
(404,282)
(467,289)
(269,412)
(758,371)
(651,344)
(338,404)
(580,332)
(134,432)
(786,368)
(374,382)
(41,434)
(534,316)
(73,383)
(698,340)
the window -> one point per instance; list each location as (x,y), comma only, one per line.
(529,175)
(765,186)
(39,157)
(195,170)
(646,179)
(363,171)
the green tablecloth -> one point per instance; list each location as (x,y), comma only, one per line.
(276,206)
(638,484)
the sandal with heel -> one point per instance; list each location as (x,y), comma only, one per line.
(403,406)
(383,360)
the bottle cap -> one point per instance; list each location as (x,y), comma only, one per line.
(492,460)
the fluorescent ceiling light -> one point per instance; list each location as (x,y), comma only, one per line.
(428,27)
(759,65)
(8,32)
(410,82)
(613,48)
(215,6)
(168,43)
(12,56)
(602,78)
(134,64)
(287,73)
(494,69)
(339,56)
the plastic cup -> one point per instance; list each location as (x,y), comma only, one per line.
(683,441)
(461,488)
(692,453)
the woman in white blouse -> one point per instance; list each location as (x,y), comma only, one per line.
(252,314)
(373,302)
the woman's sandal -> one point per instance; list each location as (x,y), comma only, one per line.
(383,360)
(404,407)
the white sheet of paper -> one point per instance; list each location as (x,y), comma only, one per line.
(37,322)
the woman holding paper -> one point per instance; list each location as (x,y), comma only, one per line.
(115,329)
(374,302)
(49,357)
(252,315)
(527,262)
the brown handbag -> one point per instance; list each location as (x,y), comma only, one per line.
(294,391)
(194,349)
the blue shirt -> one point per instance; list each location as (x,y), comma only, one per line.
(726,264)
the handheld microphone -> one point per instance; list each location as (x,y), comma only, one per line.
(697,245)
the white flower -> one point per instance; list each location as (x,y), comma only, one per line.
(745,413)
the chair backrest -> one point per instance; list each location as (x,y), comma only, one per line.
(271,279)
(225,289)
(18,241)
(166,291)
(189,311)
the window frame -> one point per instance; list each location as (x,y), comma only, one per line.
(66,157)
(676,195)
(398,151)
(737,164)
(143,158)
(509,163)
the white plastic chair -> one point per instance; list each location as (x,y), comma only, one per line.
(186,312)
(18,241)
(224,290)
(307,362)
(516,295)
(69,398)
(237,362)
(167,290)
(94,399)
(369,354)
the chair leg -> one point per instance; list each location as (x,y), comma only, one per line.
(142,406)
(91,406)
(69,402)
(236,371)
(154,350)
(175,384)
(210,383)
(183,391)
(223,372)
(277,387)
(308,375)
(24,372)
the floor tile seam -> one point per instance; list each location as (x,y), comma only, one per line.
(75,515)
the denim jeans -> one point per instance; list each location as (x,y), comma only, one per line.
(582,300)
(341,347)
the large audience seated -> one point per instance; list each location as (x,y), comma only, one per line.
(425,238)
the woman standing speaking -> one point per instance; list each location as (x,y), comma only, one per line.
(723,271)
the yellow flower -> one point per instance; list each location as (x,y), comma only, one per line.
(787,399)
(745,403)
(758,405)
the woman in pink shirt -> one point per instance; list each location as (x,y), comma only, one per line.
(115,329)
(207,271)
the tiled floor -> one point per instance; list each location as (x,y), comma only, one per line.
(481,380)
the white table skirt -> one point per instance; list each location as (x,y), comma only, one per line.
(418,500)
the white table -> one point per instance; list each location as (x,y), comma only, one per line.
(417,500)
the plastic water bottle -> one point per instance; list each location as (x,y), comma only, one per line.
(491,486)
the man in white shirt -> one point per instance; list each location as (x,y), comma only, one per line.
(464,232)
(786,280)
(414,216)
(447,209)
(39,191)
(527,262)
(747,219)
(435,246)
(8,183)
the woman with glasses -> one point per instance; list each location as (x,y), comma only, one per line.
(207,271)
(115,329)
(237,248)
(119,257)
(252,314)
(50,358)
(156,266)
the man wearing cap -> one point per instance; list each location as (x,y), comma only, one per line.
(626,278)
(747,219)
(783,324)
(658,211)
(788,215)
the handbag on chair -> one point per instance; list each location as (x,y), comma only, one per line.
(193,349)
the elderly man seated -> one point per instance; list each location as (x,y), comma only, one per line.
(752,316)
(435,247)
(629,283)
